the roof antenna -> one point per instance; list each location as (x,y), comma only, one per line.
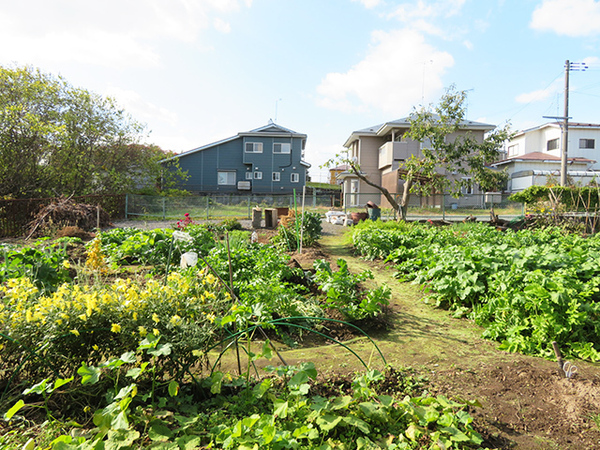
(276,102)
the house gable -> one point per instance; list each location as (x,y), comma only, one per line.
(268,159)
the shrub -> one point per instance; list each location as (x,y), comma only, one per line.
(290,231)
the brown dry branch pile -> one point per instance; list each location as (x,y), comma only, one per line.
(67,213)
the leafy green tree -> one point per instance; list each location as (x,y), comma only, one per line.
(461,155)
(57,139)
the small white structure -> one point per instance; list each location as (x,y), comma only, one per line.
(335,217)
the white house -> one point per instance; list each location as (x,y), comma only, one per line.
(534,156)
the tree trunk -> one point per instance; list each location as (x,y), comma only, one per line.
(405,198)
(381,189)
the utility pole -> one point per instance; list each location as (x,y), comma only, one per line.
(565,118)
(565,137)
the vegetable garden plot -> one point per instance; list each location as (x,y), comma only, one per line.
(160,320)
(527,288)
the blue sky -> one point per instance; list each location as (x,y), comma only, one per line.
(197,71)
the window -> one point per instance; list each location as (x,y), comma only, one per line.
(258,175)
(513,150)
(282,148)
(587,143)
(254,147)
(276,176)
(226,177)
(248,175)
(552,144)
(467,186)
(295,178)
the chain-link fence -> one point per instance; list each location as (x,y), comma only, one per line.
(222,206)
(440,206)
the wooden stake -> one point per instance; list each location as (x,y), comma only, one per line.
(558,356)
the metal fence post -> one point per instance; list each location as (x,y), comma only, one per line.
(164,207)
(207,207)
(126,204)
(443,206)
(249,210)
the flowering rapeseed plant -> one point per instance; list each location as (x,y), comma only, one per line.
(75,318)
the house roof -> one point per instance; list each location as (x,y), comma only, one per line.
(341,167)
(385,128)
(271,130)
(541,157)
(558,124)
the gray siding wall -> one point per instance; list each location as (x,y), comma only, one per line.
(203,166)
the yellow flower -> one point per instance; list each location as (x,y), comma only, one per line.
(66,264)
(175,320)
(155,331)
(75,332)
(95,347)
(115,328)
(143,332)
(155,318)
(83,317)
(135,315)
(210,317)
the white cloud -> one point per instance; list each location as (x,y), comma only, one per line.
(369,4)
(221,25)
(408,12)
(111,33)
(574,18)
(398,71)
(142,110)
(592,60)
(540,94)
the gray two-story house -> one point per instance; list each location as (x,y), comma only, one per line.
(264,160)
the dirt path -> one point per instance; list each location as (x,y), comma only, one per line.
(527,404)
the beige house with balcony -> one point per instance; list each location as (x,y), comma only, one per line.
(380,151)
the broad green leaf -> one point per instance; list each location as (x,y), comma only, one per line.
(89,374)
(173,388)
(29,445)
(216,380)
(262,388)
(128,358)
(159,431)
(161,350)
(38,388)
(13,410)
(414,432)
(267,351)
(455,434)
(61,382)
(188,442)
(137,371)
(431,415)
(268,433)
(120,422)
(341,402)
(358,423)
(328,422)
(446,420)
(280,408)
(121,439)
